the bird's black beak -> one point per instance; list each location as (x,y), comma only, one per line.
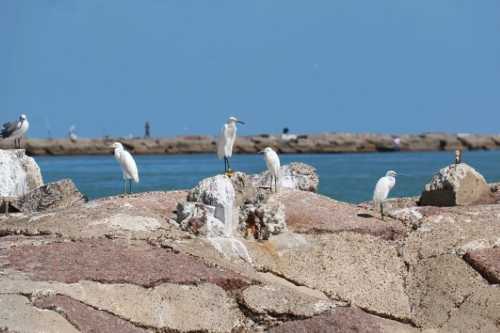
(240,122)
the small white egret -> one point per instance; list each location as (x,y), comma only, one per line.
(273,165)
(73,137)
(382,189)
(127,163)
(226,140)
(15,130)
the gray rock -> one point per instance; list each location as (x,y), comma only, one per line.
(214,197)
(295,176)
(456,185)
(19,173)
(60,194)
(27,318)
(263,219)
(281,301)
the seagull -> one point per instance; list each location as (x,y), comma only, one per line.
(127,163)
(273,165)
(226,141)
(15,130)
(382,189)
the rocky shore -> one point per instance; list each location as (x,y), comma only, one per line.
(231,256)
(320,143)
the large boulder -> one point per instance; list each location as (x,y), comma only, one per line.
(19,173)
(456,185)
(294,176)
(210,204)
(60,194)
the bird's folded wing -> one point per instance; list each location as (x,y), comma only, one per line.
(221,143)
(8,129)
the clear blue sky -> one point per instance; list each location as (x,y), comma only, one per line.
(314,66)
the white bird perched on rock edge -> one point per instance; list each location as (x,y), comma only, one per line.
(127,163)
(382,189)
(273,165)
(226,140)
(15,130)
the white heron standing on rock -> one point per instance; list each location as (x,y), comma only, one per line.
(273,165)
(382,189)
(127,163)
(226,140)
(15,130)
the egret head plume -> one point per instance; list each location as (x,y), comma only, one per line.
(391,173)
(235,120)
(117,145)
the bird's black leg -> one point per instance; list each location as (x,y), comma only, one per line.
(382,210)
(130,186)
(276,184)
(225,164)
(228,165)
(124,186)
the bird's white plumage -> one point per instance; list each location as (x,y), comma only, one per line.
(16,129)
(226,139)
(127,163)
(22,128)
(272,161)
(384,186)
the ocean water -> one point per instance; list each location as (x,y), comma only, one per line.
(346,177)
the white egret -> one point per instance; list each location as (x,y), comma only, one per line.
(273,165)
(382,189)
(226,140)
(127,163)
(15,130)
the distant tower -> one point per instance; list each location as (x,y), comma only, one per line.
(458,156)
(147,129)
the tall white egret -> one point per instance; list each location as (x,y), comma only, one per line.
(15,130)
(226,140)
(273,165)
(382,189)
(127,163)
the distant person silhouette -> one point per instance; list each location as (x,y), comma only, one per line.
(147,129)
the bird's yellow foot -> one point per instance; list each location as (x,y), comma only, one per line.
(229,173)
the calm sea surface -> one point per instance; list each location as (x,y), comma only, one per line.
(346,177)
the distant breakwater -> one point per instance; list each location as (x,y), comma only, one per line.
(313,144)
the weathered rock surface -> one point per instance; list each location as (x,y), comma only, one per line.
(19,173)
(331,263)
(18,315)
(139,264)
(84,317)
(56,195)
(345,320)
(280,301)
(487,262)
(124,264)
(313,213)
(456,185)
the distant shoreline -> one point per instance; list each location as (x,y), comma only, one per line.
(293,144)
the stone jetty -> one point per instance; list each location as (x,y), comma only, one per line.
(230,256)
(307,143)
